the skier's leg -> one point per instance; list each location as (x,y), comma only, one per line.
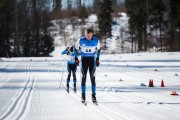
(68,77)
(84,68)
(74,76)
(92,69)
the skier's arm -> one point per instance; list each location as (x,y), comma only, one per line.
(99,50)
(98,53)
(97,58)
(76,48)
(64,52)
(75,53)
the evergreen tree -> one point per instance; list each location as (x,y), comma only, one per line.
(56,14)
(136,10)
(96,4)
(130,11)
(83,14)
(105,19)
(57,5)
(6,26)
(47,45)
(156,11)
(175,25)
(21,27)
(143,14)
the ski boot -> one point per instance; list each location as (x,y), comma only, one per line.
(75,88)
(67,88)
(83,98)
(94,99)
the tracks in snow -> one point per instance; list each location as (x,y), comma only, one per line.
(21,103)
(137,99)
(100,109)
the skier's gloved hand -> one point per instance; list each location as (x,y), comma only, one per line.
(67,48)
(76,61)
(97,62)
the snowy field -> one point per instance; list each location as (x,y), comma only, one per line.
(34,89)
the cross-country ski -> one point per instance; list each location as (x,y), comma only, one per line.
(84,102)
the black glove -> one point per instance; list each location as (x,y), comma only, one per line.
(76,61)
(97,62)
(67,48)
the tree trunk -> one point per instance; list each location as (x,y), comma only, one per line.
(16,31)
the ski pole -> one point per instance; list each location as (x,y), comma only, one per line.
(62,72)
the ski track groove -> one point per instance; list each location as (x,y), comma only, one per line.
(77,96)
(118,113)
(30,92)
(90,106)
(5,76)
(30,84)
(157,76)
(10,109)
(147,76)
(97,108)
(139,99)
(19,106)
(52,73)
(142,99)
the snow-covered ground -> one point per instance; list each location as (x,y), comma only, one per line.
(34,89)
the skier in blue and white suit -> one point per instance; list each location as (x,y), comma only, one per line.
(71,66)
(89,49)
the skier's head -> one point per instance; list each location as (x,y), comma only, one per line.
(88,33)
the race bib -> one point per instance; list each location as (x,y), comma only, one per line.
(70,58)
(88,49)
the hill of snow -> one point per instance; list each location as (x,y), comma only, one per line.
(72,31)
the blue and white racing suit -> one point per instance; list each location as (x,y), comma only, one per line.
(71,66)
(89,51)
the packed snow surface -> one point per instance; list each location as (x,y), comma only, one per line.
(34,88)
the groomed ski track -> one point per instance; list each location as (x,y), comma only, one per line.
(34,89)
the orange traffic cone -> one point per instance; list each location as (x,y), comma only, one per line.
(162,83)
(174,93)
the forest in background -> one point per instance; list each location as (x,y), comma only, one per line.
(24,24)
(154,22)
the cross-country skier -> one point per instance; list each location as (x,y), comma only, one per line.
(71,66)
(89,49)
